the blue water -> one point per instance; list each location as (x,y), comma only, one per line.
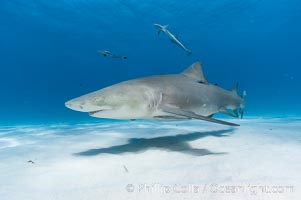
(48,51)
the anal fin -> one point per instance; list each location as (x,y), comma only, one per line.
(189,114)
(227,112)
(235,113)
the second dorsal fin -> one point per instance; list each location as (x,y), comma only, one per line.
(235,88)
(195,72)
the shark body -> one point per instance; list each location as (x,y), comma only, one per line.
(183,96)
(171,37)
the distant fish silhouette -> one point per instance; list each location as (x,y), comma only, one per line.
(171,37)
(30,161)
(109,54)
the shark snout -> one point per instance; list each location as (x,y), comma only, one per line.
(74,106)
(85,106)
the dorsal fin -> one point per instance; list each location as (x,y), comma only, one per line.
(235,88)
(195,72)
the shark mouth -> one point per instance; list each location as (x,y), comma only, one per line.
(97,111)
(93,112)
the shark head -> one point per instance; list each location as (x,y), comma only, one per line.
(160,28)
(120,101)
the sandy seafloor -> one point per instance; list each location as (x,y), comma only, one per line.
(261,159)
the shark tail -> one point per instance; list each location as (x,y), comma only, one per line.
(239,111)
(188,52)
(242,106)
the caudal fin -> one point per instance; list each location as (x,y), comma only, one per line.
(188,52)
(242,106)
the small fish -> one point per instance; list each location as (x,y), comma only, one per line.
(30,161)
(171,37)
(109,54)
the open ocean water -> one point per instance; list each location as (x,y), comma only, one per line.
(49,55)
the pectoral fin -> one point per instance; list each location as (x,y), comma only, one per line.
(189,114)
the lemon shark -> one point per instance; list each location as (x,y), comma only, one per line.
(183,96)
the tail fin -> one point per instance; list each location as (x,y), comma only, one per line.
(188,52)
(242,106)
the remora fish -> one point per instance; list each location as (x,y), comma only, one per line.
(183,96)
(109,54)
(171,37)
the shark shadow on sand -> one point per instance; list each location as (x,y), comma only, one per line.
(177,143)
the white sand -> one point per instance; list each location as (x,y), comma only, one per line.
(261,159)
